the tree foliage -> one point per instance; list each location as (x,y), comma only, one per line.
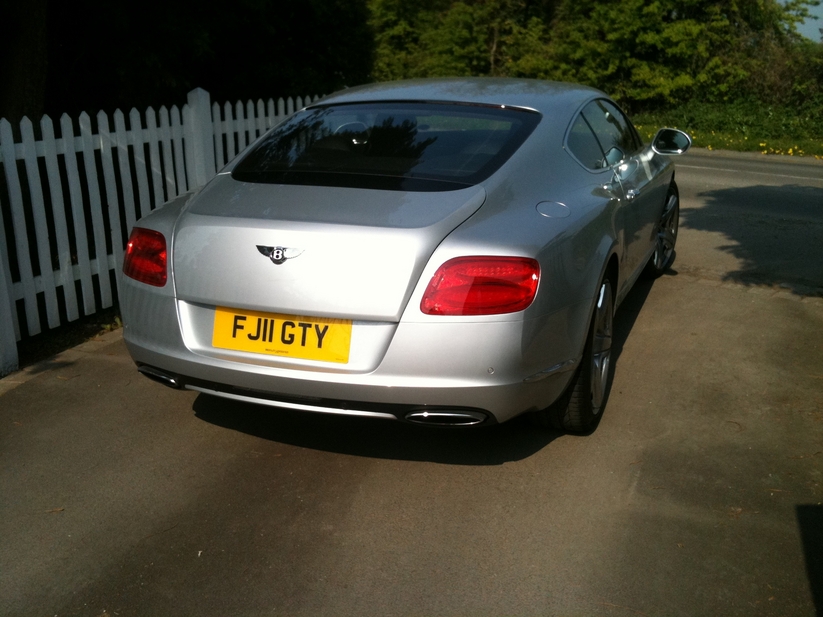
(437,38)
(96,54)
(660,52)
(647,53)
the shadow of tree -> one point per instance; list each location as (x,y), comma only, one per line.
(810,521)
(776,232)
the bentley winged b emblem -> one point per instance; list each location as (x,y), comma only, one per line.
(278,254)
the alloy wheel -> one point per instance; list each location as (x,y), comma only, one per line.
(601,346)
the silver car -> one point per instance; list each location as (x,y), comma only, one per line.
(442,252)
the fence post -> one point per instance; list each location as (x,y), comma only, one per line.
(9,361)
(8,341)
(200,133)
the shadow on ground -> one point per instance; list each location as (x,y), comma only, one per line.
(810,521)
(775,232)
(491,445)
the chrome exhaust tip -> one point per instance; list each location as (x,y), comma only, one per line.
(443,417)
(155,374)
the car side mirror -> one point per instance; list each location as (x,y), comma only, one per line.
(614,156)
(671,141)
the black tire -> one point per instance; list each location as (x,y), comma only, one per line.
(666,235)
(580,408)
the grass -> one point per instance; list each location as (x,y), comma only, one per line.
(744,127)
(720,140)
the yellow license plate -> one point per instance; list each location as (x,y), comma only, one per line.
(292,336)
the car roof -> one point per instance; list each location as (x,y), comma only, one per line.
(546,97)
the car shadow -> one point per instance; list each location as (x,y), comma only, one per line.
(628,312)
(373,438)
(515,440)
(773,231)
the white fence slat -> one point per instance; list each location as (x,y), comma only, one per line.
(270,114)
(77,215)
(99,230)
(230,131)
(188,145)
(125,168)
(240,127)
(58,208)
(199,130)
(179,160)
(250,124)
(281,109)
(154,158)
(140,171)
(261,118)
(168,157)
(41,226)
(289,106)
(112,201)
(219,132)
(8,318)
(9,324)
(18,220)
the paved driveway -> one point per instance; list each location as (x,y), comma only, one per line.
(699,494)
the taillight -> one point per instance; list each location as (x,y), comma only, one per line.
(481,286)
(146,257)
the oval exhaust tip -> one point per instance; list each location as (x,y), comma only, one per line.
(160,376)
(446,417)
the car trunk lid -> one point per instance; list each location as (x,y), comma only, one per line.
(328,252)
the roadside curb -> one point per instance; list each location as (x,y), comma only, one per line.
(91,346)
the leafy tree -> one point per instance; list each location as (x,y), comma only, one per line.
(659,52)
(647,53)
(462,38)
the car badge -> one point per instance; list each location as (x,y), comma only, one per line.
(279,254)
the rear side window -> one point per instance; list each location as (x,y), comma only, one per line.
(393,145)
(614,132)
(584,145)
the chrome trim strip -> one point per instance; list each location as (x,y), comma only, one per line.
(297,406)
(552,370)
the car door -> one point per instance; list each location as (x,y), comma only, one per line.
(624,153)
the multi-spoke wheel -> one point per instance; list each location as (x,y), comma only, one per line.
(664,254)
(579,409)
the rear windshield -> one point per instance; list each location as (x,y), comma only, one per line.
(391,145)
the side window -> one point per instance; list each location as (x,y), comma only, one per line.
(616,136)
(583,144)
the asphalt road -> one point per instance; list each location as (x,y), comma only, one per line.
(699,494)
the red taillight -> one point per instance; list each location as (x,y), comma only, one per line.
(146,257)
(481,286)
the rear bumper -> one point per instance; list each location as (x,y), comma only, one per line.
(485,371)
(487,404)
(442,416)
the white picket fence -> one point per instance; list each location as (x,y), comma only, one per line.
(73,199)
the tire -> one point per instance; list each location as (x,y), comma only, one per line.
(666,235)
(580,408)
